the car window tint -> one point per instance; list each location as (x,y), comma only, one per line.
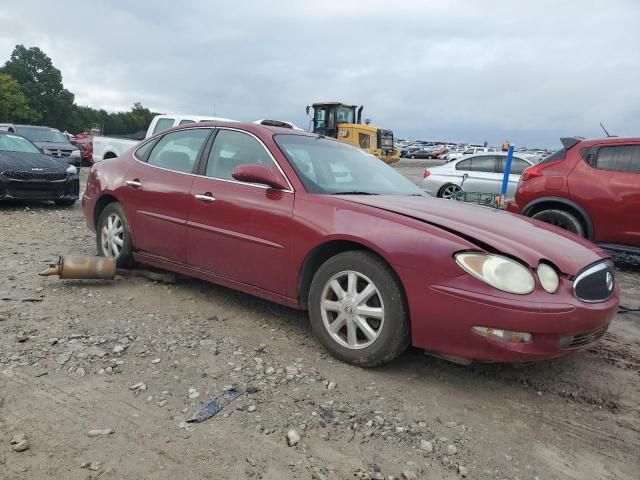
(518,165)
(163,124)
(232,148)
(178,150)
(625,158)
(143,152)
(485,163)
(464,165)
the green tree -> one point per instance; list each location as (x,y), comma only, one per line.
(13,104)
(41,83)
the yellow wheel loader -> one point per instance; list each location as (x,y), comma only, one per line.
(341,121)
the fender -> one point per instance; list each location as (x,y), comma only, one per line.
(564,201)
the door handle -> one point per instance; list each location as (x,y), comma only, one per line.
(134,183)
(207,197)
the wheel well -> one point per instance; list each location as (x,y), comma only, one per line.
(101,204)
(557,205)
(316,258)
(109,155)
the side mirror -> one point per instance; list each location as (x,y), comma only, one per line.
(258,174)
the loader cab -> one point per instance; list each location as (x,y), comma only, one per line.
(327,116)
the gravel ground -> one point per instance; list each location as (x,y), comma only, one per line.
(98,378)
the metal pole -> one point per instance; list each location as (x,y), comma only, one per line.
(507,171)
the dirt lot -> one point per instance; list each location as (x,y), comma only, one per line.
(72,351)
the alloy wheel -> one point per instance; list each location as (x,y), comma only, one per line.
(352,309)
(450,191)
(112,236)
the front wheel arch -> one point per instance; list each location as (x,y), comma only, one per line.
(558,203)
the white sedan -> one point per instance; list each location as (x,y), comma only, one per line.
(482,173)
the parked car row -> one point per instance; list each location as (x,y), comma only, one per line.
(50,141)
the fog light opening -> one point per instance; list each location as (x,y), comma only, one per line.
(503,335)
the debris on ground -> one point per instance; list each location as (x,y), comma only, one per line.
(214,406)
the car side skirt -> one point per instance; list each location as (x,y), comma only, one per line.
(154,261)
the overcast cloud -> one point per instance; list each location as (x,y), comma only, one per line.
(468,71)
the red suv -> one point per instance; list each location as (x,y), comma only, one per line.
(589,187)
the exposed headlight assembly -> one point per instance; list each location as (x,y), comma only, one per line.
(498,271)
(72,170)
(548,277)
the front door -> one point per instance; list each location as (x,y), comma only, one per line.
(237,230)
(156,192)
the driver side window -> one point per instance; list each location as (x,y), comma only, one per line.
(231,149)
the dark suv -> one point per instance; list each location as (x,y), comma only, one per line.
(589,187)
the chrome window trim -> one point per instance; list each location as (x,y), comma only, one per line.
(265,187)
(590,271)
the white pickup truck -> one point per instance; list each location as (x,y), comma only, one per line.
(111,147)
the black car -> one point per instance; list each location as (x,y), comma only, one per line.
(52,142)
(28,174)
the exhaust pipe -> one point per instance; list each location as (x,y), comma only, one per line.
(75,267)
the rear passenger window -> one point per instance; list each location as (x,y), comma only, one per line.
(625,158)
(485,163)
(230,149)
(518,165)
(178,150)
(163,124)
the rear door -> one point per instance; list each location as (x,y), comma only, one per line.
(156,192)
(606,181)
(240,231)
(481,171)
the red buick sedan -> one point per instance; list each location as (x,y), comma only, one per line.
(315,224)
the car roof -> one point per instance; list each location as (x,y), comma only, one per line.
(254,128)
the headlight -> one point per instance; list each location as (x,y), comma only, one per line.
(72,170)
(75,153)
(499,272)
(548,278)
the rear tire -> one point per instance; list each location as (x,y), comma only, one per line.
(448,191)
(113,236)
(358,309)
(562,219)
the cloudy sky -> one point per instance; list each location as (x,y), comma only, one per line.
(468,70)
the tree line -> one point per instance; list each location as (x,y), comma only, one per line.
(32,92)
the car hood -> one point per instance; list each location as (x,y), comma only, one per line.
(24,162)
(494,230)
(55,145)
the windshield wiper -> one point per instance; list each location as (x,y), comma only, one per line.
(353,192)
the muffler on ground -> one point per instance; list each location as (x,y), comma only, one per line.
(76,267)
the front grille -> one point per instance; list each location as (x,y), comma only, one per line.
(582,339)
(59,153)
(595,284)
(28,176)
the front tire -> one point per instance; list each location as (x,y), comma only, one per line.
(358,309)
(562,219)
(113,236)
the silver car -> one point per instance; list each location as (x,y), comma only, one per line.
(482,172)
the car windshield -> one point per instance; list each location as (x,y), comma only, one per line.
(13,143)
(330,167)
(43,134)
